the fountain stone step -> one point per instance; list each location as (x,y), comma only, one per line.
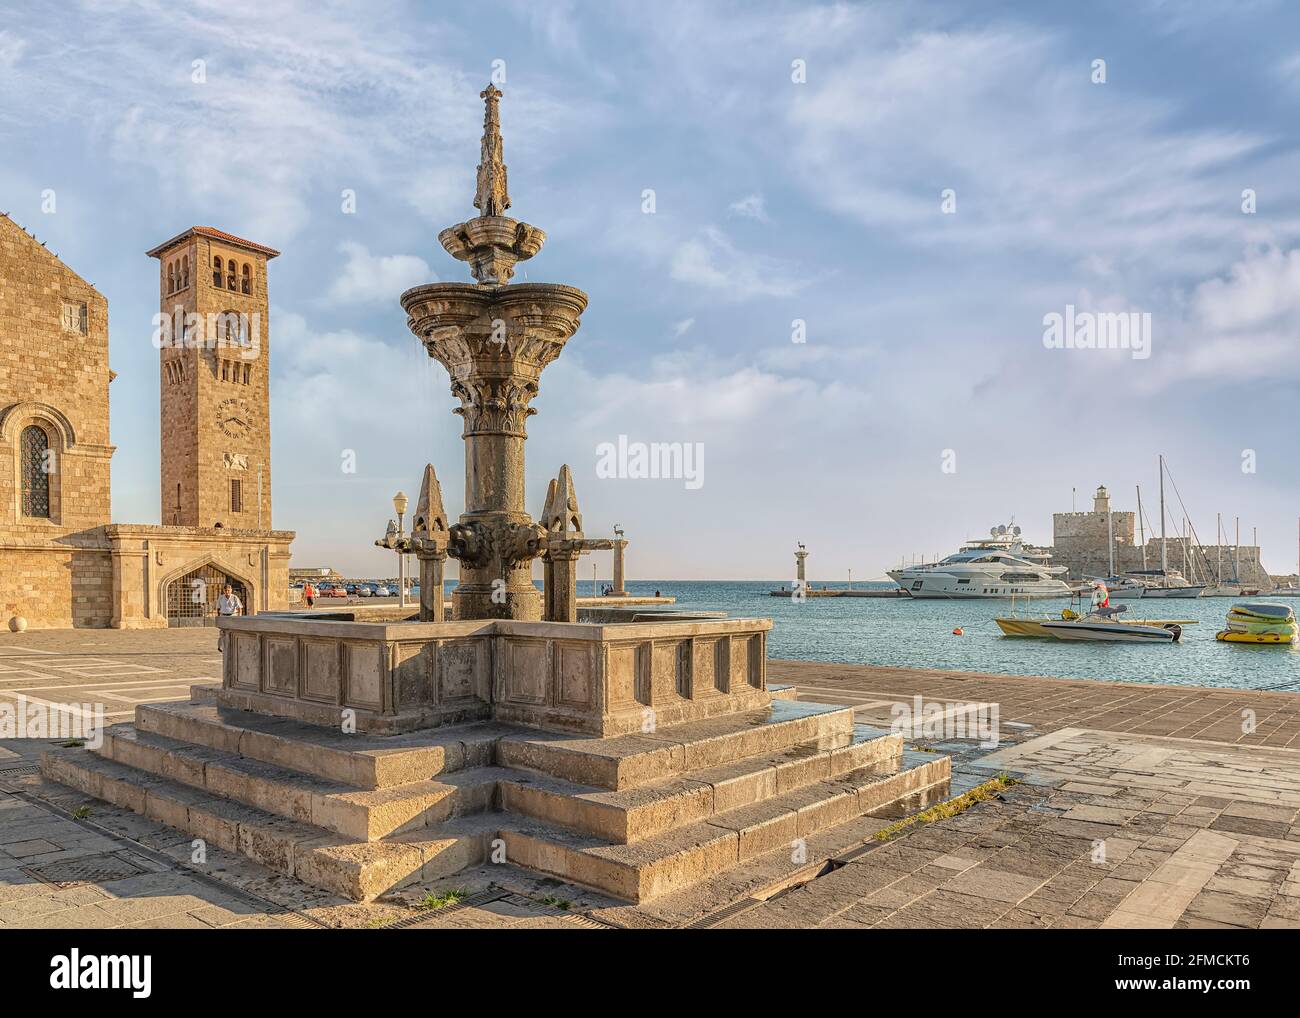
(363,814)
(625,761)
(363,761)
(360,870)
(686,855)
(643,811)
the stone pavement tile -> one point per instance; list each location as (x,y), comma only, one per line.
(956,862)
(1285,908)
(1141,864)
(947,910)
(1234,909)
(1241,885)
(867,915)
(1101,815)
(1273,923)
(1091,789)
(900,894)
(84,917)
(897,856)
(1103,899)
(1235,825)
(1020,919)
(1261,811)
(174,921)
(26,850)
(994,884)
(1074,922)
(858,879)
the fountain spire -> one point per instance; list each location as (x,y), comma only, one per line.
(492,197)
(492,242)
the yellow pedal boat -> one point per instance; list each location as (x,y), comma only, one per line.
(1228,636)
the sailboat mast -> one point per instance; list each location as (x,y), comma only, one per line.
(1110,541)
(1218,548)
(1164,558)
(1142,534)
(1236,552)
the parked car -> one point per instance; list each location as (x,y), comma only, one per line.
(334,592)
(364,590)
(383,591)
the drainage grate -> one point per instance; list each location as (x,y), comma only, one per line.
(18,771)
(95,869)
(704,922)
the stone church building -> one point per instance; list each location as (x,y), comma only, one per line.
(63,561)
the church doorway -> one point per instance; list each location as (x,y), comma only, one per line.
(192,598)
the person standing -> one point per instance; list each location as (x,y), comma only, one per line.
(309,594)
(228,603)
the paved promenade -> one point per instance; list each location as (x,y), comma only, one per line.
(1138,806)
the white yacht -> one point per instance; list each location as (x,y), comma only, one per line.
(996,566)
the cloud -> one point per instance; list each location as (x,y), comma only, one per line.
(750,207)
(11,49)
(710,260)
(366,277)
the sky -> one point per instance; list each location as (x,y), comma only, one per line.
(822,245)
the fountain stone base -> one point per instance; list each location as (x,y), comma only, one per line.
(592,679)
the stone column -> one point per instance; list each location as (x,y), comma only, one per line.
(562,584)
(800,557)
(431,568)
(619,545)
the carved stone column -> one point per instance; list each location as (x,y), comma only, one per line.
(430,537)
(619,544)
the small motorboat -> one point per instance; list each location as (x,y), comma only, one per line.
(1035,625)
(1101,624)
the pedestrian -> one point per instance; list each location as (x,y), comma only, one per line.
(309,594)
(228,603)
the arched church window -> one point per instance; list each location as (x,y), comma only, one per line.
(247,281)
(35,458)
(216,270)
(171,277)
(232,282)
(185,272)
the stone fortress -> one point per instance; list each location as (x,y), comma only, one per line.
(63,561)
(1080,540)
(633,756)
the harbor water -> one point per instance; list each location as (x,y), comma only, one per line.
(906,633)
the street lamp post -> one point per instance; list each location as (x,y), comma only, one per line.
(400,503)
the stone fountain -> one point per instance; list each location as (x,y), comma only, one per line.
(635,757)
(494,338)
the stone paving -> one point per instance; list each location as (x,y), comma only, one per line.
(1140,806)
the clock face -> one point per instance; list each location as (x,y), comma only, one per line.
(233,417)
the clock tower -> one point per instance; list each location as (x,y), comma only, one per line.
(213,340)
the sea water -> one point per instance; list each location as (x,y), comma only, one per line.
(906,633)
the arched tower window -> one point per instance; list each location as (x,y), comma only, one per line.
(35,459)
(216,270)
(185,272)
(171,277)
(247,281)
(232,283)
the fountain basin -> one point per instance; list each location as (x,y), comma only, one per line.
(595,679)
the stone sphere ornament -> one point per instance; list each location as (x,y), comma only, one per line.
(17,624)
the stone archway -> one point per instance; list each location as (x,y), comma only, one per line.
(190,599)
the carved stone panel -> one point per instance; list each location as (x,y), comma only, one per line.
(526,675)
(363,669)
(623,675)
(248,665)
(280,676)
(321,670)
(462,670)
(575,669)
